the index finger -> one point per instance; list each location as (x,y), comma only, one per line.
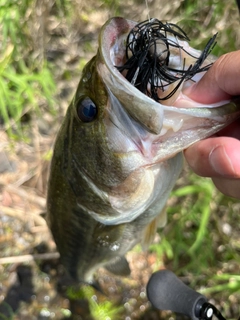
(220,82)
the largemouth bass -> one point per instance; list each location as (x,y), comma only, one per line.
(118,153)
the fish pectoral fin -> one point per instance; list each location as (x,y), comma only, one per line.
(119,266)
(150,231)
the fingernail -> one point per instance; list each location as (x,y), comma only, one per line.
(220,161)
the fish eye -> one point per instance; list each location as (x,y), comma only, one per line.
(86,110)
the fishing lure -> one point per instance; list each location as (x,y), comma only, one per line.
(152,48)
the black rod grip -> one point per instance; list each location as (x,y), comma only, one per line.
(166,292)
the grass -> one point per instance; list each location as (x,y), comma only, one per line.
(200,244)
(99,310)
(186,232)
(26,82)
(8,311)
(202,19)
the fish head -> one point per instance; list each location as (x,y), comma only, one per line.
(122,140)
(97,148)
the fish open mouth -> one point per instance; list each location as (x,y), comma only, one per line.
(145,68)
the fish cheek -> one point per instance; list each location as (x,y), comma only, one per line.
(93,154)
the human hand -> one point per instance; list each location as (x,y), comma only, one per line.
(218,157)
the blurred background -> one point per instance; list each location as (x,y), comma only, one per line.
(44,44)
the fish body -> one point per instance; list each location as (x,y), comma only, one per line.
(116,159)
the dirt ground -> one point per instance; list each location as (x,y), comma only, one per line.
(32,280)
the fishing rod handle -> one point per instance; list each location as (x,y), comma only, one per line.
(166,292)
